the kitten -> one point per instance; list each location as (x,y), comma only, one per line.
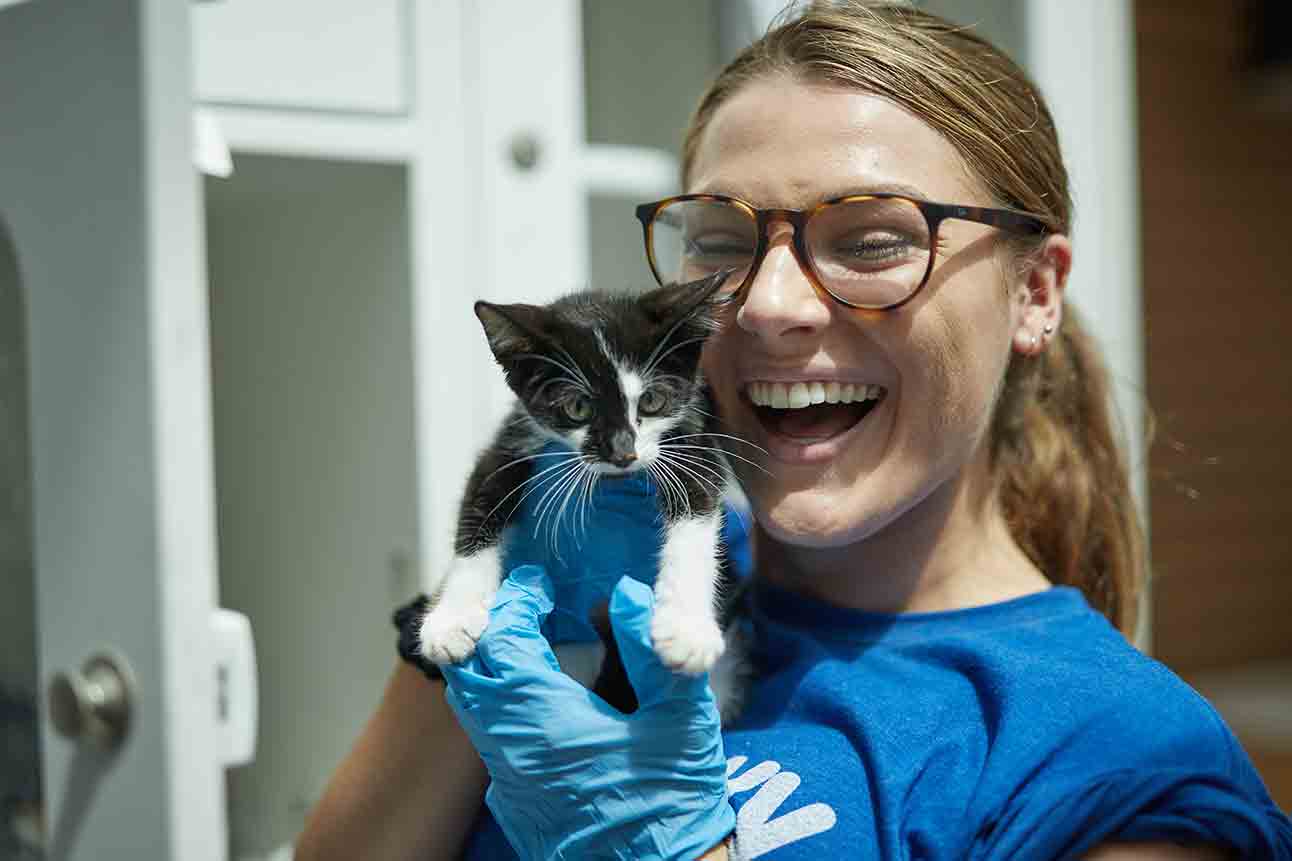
(616,380)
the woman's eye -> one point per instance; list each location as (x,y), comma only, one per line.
(877,248)
(651,402)
(577,408)
(717,245)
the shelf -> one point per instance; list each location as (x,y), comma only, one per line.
(317,134)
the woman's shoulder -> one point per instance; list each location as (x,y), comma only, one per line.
(1092,730)
(1035,716)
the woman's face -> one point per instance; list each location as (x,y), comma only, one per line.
(939,359)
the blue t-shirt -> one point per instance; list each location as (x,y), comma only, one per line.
(1028,729)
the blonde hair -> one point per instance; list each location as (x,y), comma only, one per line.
(1060,472)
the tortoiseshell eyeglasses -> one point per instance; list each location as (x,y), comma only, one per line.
(871,251)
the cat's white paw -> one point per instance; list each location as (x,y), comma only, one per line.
(685,642)
(449,633)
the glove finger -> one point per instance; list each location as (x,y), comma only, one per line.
(514,640)
(631,606)
(469,679)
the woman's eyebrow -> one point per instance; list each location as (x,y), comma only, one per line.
(881,188)
(857,190)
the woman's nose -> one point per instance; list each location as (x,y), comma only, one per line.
(781,305)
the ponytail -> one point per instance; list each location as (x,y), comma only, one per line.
(1062,473)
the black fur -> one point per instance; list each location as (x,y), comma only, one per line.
(564,363)
(538,347)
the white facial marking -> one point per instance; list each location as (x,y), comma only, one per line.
(631,384)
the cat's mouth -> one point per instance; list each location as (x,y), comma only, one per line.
(812,411)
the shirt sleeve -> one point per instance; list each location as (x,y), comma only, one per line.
(1195,789)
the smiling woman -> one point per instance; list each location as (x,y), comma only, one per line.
(945,545)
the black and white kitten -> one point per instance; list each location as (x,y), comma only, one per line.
(617,380)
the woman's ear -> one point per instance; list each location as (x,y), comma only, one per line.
(1037,307)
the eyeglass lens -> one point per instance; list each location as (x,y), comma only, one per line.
(869,252)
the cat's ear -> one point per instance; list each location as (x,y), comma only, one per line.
(511,329)
(673,302)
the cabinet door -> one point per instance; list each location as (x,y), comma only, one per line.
(98,208)
(331,55)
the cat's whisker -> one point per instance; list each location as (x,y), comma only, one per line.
(520,486)
(554,487)
(719,475)
(757,466)
(683,498)
(547,487)
(544,500)
(722,435)
(523,459)
(580,379)
(655,360)
(573,488)
(573,383)
(585,502)
(574,368)
(656,471)
(691,472)
(573,495)
(549,502)
(683,382)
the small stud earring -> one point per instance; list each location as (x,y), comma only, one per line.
(1049,329)
(1033,341)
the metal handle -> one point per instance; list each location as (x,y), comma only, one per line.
(93,706)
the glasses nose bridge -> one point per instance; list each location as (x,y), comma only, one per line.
(797,220)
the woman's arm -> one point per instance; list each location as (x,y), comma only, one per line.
(409,788)
(1155,852)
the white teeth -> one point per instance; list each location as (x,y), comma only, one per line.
(795,396)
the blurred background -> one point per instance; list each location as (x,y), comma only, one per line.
(372,168)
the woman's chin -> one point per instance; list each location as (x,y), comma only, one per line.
(805,519)
(825,510)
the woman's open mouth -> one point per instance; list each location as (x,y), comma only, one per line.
(797,416)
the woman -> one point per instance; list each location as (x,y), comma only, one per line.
(924,690)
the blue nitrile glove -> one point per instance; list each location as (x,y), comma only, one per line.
(587,545)
(573,778)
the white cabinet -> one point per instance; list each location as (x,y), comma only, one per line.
(352,384)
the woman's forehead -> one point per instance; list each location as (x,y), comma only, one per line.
(780,142)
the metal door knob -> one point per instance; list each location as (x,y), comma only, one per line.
(93,706)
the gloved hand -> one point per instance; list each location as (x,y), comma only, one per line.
(587,545)
(572,777)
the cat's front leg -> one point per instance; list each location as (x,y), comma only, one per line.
(457,619)
(684,628)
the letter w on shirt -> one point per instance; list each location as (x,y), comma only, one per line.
(757,833)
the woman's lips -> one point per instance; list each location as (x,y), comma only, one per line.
(810,434)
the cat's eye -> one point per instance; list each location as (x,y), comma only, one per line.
(652,402)
(577,408)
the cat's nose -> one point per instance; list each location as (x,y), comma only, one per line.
(623,448)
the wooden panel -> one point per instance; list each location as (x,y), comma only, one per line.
(1276,770)
(1216,183)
